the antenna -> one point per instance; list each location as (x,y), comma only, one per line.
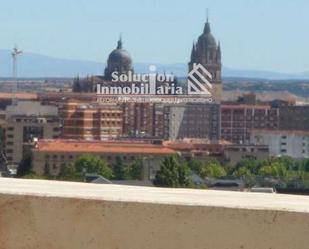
(15,53)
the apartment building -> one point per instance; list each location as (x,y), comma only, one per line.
(26,122)
(192,121)
(294,117)
(291,143)
(237,120)
(91,121)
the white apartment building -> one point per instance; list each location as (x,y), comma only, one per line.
(283,142)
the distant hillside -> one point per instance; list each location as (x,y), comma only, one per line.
(255,74)
(36,65)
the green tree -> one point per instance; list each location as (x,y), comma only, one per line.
(195,165)
(68,173)
(251,165)
(173,174)
(274,169)
(242,172)
(92,164)
(25,166)
(119,169)
(135,170)
(212,169)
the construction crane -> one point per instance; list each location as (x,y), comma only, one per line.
(15,53)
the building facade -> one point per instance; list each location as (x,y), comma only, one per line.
(51,156)
(207,52)
(283,142)
(92,121)
(237,152)
(192,121)
(237,121)
(294,117)
(24,124)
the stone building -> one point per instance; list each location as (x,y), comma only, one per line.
(50,156)
(207,52)
(119,60)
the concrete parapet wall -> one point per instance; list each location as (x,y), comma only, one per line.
(56,215)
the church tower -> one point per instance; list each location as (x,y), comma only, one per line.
(207,52)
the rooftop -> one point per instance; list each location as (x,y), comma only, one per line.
(128,147)
(20,95)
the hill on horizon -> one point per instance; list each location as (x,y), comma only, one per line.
(31,65)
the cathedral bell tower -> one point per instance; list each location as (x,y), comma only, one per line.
(207,52)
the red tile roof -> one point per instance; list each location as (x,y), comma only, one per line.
(20,95)
(109,147)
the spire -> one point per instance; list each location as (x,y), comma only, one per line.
(193,51)
(207,25)
(207,28)
(119,44)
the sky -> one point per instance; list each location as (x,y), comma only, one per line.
(270,35)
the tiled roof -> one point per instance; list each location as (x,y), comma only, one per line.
(112,147)
(19,95)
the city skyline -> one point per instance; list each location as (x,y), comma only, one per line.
(254,35)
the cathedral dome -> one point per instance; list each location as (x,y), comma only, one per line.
(119,60)
(120,57)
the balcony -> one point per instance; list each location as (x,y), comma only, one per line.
(61,215)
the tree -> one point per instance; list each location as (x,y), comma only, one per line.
(173,174)
(68,173)
(92,164)
(251,165)
(135,170)
(243,172)
(25,166)
(274,169)
(195,165)
(212,169)
(119,169)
